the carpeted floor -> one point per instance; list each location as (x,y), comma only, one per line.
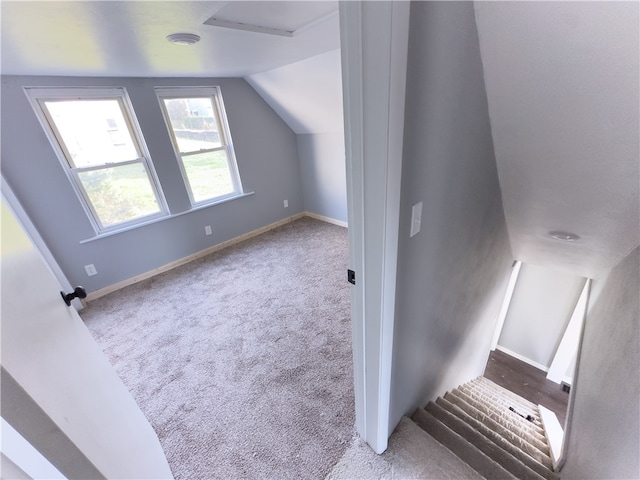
(242,360)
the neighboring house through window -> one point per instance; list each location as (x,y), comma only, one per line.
(198,127)
(96,137)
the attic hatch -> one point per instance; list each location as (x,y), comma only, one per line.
(280,18)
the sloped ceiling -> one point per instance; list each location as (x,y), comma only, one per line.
(562,82)
(306,94)
(561,78)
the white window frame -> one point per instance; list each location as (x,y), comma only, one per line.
(38,96)
(168,93)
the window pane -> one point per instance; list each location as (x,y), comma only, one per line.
(93,131)
(208,175)
(194,123)
(120,193)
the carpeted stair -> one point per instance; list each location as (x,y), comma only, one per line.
(497,433)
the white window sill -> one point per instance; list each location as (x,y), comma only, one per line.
(166,217)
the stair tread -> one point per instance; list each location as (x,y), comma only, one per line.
(495,397)
(515,438)
(480,415)
(529,455)
(470,454)
(485,383)
(514,420)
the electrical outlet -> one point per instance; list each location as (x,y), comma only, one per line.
(91,270)
(286,204)
(207,230)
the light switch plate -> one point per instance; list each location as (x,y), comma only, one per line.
(416,218)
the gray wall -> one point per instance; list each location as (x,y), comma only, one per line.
(453,274)
(604,439)
(323,174)
(541,307)
(266,153)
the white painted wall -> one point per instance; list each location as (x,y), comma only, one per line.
(540,309)
(604,436)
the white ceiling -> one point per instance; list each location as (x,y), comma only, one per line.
(127,38)
(561,77)
(562,84)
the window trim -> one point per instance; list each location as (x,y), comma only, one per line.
(38,95)
(213,92)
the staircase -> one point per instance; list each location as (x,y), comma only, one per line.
(496,432)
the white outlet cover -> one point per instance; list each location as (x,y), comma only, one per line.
(91,270)
(286,204)
(207,230)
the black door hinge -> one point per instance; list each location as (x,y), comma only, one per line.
(351,277)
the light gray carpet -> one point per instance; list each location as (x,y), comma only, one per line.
(412,454)
(242,360)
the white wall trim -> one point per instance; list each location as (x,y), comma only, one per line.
(522,358)
(374,38)
(322,218)
(513,279)
(169,266)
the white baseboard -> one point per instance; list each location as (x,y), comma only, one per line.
(522,358)
(340,223)
(169,266)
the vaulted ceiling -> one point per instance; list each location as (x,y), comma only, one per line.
(561,77)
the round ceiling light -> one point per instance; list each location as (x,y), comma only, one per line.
(183,38)
(564,236)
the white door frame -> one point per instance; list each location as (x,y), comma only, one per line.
(374,38)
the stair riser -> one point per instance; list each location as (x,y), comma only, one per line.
(504,432)
(529,455)
(523,407)
(486,405)
(489,385)
(494,399)
(488,447)
(458,445)
(510,422)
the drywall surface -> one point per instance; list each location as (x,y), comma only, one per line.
(540,310)
(306,94)
(453,274)
(266,153)
(604,439)
(323,174)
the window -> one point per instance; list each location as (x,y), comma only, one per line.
(199,131)
(94,133)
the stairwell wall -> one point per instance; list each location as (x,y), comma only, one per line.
(453,274)
(604,436)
